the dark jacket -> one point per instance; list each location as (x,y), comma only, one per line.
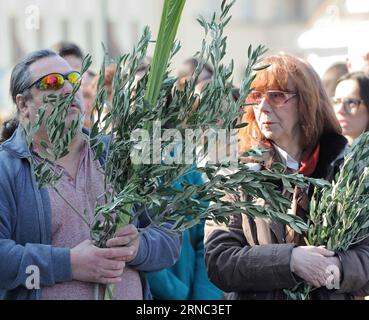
(25,231)
(250,258)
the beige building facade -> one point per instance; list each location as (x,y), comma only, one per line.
(27,25)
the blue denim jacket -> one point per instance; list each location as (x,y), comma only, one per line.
(25,231)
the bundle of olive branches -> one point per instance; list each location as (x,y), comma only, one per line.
(339,212)
(132,188)
(151,185)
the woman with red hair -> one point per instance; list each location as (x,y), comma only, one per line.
(290,115)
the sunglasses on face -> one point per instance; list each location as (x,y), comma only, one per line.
(350,105)
(56,81)
(275,98)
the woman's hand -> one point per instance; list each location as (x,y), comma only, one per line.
(314,264)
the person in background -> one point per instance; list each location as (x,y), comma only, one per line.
(358,57)
(351,104)
(290,115)
(91,92)
(71,53)
(143,68)
(332,75)
(187,69)
(74,56)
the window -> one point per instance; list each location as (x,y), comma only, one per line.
(16,51)
(65,29)
(89,35)
(244,11)
(39,35)
(112,45)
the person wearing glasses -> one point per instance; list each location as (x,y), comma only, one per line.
(45,251)
(290,115)
(351,104)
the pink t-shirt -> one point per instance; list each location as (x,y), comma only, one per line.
(68,229)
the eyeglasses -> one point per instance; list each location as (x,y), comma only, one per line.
(275,98)
(56,81)
(350,105)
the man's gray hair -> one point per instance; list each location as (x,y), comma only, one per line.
(21,78)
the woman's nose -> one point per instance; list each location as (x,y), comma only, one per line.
(264,105)
(340,108)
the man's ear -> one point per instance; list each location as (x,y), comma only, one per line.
(20,101)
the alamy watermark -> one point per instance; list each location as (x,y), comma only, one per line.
(33,280)
(190,146)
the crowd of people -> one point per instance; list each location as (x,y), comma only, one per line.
(303,121)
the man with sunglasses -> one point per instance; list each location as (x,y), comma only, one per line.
(40,236)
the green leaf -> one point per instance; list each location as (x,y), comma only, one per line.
(44,144)
(99,150)
(241,125)
(171,15)
(261,67)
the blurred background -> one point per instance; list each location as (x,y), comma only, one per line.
(322,31)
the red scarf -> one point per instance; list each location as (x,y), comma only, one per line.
(309,162)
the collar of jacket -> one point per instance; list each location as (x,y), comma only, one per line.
(16,144)
(332,147)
